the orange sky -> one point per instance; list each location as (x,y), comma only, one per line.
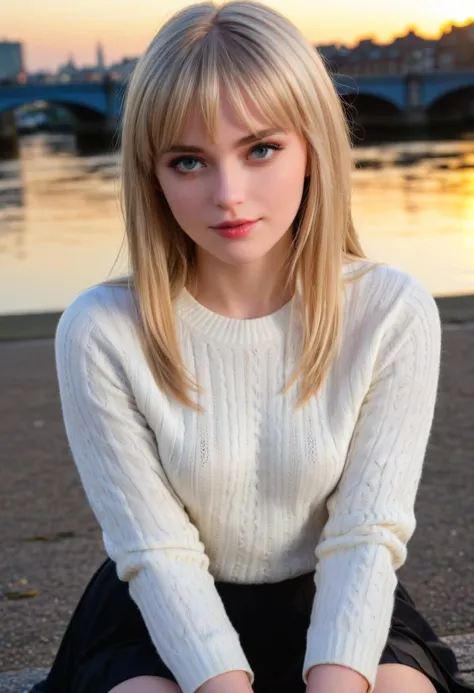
(53,29)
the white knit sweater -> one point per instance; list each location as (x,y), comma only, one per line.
(251,491)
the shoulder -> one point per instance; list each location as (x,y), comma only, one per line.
(103,310)
(381,298)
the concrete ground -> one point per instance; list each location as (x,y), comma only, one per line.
(50,544)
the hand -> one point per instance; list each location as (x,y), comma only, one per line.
(229,682)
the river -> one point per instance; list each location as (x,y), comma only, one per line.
(61,228)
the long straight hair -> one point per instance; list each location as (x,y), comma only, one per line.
(247,51)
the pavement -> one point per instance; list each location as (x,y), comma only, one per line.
(50,544)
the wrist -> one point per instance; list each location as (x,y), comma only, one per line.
(334,678)
(228,682)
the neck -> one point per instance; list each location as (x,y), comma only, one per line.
(247,291)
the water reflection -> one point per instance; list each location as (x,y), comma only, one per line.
(61,228)
(12,210)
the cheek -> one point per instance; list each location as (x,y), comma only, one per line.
(290,180)
(185,201)
(285,189)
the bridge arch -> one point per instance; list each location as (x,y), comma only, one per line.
(371,105)
(368,111)
(389,89)
(442,84)
(80,114)
(94,108)
(457,104)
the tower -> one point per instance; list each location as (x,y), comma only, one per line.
(100,57)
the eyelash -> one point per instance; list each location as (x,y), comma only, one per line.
(187,157)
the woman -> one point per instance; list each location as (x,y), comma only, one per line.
(249,412)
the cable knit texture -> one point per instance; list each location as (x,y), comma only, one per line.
(251,490)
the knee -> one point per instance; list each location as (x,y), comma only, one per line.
(399,678)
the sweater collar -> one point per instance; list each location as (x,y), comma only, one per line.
(213,327)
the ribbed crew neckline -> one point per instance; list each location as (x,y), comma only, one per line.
(214,327)
(211,326)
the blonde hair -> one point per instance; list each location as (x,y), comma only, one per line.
(241,47)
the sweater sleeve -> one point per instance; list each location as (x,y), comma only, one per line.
(145,527)
(371,513)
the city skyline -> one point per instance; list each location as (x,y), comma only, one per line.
(77,29)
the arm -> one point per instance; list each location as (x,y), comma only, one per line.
(371,513)
(146,530)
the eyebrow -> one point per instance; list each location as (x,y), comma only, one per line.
(248,139)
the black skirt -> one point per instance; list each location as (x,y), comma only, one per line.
(107,643)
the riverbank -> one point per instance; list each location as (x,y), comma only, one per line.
(453,309)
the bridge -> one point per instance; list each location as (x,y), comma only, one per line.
(435,97)
(385,99)
(88,100)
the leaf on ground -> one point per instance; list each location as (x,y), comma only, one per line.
(20,594)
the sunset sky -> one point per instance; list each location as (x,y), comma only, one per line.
(54,29)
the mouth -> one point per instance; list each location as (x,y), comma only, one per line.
(234,222)
(235,229)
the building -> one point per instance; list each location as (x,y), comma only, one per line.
(405,55)
(121,72)
(89,74)
(416,53)
(371,58)
(67,72)
(333,55)
(11,62)
(408,54)
(41,77)
(455,49)
(70,72)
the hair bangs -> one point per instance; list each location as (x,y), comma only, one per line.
(174,103)
(250,78)
(248,85)
(209,72)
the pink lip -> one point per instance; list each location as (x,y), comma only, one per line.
(235,230)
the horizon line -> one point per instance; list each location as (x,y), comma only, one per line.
(337,42)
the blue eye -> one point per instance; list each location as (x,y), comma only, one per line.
(180,164)
(265,148)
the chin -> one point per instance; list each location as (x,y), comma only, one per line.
(239,256)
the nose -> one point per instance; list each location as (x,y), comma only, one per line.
(228,188)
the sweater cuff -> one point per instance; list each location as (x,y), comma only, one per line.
(212,659)
(187,622)
(346,650)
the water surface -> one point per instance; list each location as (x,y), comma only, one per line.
(61,228)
